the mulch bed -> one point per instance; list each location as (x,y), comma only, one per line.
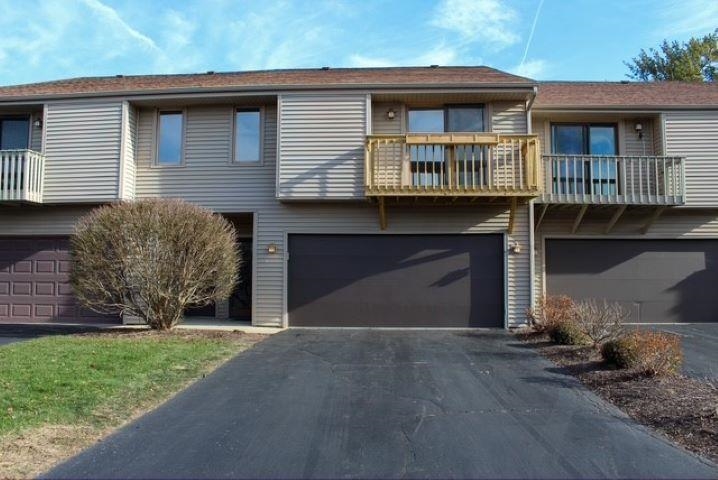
(681,408)
(188,334)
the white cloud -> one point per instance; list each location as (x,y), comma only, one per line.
(532,69)
(439,55)
(490,22)
(687,18)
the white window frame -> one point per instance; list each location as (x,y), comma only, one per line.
(156,160)
(233,160)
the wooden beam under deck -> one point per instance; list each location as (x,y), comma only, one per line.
(382,214)
(615,217)
(579,217)
(654,216)
(544,209)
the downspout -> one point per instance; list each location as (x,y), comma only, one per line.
(532,235)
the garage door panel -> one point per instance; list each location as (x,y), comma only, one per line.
(395,280)
(34,282)
(661,281)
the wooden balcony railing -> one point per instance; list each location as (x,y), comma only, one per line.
(22,175)
(618,180)
(453,164)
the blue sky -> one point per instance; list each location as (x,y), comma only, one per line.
(542,39)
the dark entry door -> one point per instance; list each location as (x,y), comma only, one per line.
(657,281)
(396,280)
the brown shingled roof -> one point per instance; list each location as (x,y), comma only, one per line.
(414,76)
(625,94)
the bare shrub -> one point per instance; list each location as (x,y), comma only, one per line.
(600,321)
(551,311)
(652,353)
(567,332)
(153,259)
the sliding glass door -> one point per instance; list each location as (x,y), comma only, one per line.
(574,172)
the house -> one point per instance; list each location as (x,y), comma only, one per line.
(405,197)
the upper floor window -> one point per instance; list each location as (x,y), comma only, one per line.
(452,118)
(170,135)
(14,133)
(247,136)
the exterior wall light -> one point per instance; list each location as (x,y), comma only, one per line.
(515,247)
(639,130)
(272,248)
(391,114)
(38,123)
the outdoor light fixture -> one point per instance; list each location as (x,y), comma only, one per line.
(38,123)
(391,114)
(272,248)
(515,247)
(639,130)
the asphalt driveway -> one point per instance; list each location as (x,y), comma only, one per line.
(700,348)
(381,404)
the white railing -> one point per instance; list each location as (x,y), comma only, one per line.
(453,164)
(22,174)
(595,179)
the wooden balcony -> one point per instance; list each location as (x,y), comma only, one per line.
(452,165)
(613,180)
(22,175)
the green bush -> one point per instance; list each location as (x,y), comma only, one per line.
(567,332)
(652,353)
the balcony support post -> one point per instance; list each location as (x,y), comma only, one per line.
(651,220)
(382,213)
(544,209)
(579,217)
(615,217)
(512,214)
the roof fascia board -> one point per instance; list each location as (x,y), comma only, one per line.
(279,89)
(622,108)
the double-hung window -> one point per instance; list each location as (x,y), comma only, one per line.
(170,135)
(582,162)
(247,136)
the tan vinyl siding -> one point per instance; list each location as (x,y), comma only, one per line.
(634,146)
(209,180)
(321,146)
(45,220)
(83,142)
(658,136)
(508,117)
(694,135)
(678,223)
(129,146)
(35,133)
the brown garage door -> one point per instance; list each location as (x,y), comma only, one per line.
(657,281)
(396,280)
(34,283)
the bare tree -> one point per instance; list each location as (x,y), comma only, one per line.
(153,259)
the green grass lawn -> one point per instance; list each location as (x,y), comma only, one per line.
(99,380)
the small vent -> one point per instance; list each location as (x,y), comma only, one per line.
(325,68)
(210,72)
(433,66)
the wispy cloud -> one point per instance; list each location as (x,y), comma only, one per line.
(491,22)
(532,69)
(110,17)
(439,55)
(687,18)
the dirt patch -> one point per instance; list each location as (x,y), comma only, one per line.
(683,409)
(36,450)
